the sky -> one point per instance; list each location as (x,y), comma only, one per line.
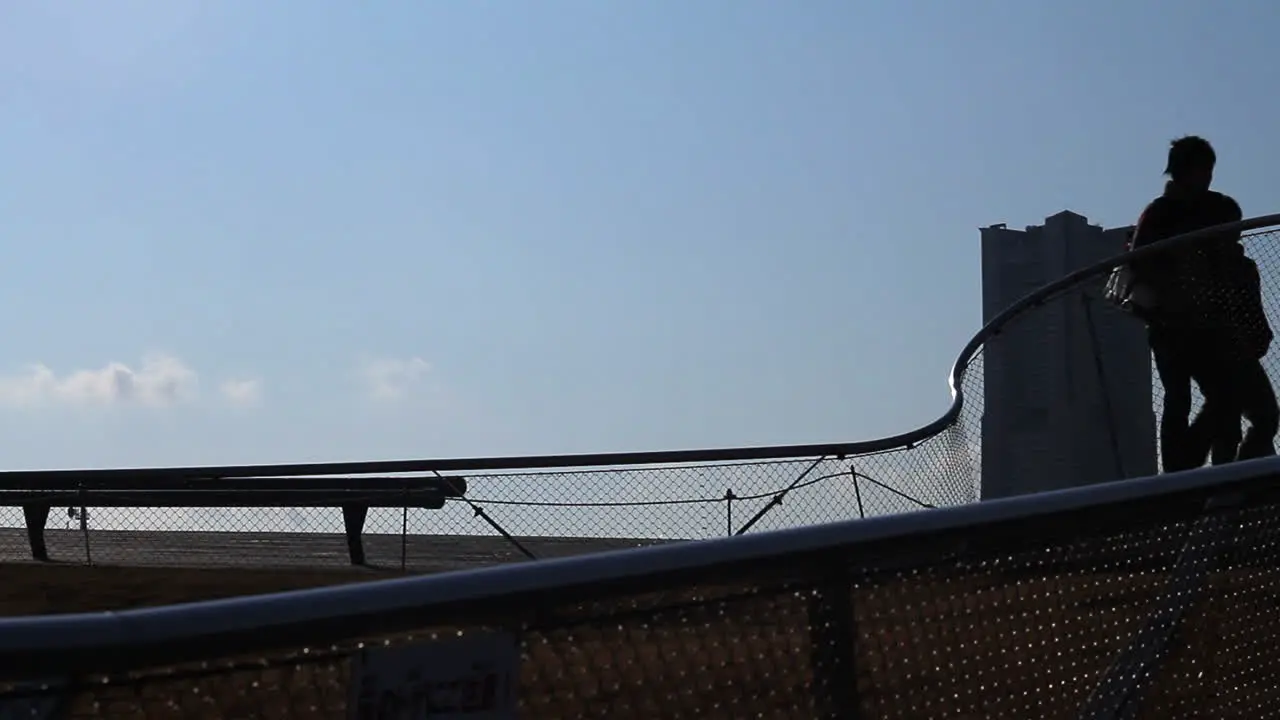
(243,231)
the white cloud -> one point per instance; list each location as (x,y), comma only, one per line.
(160,381)
(242,393)
(390,379)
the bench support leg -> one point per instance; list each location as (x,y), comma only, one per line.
(353,517)
(37,517)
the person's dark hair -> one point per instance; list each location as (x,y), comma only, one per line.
(1188,154)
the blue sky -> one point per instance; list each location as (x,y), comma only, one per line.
(245,231)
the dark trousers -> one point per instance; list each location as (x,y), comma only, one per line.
(1233,384)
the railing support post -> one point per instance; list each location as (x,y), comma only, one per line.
(729,497)
(36,518)
(84,525)
(353,517)
(857,492)
(404,533)
(832,648)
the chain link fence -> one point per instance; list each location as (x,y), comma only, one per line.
(514,514)
(1115,376)
(508,516)
(1149,600)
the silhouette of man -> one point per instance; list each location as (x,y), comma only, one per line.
(1208,324)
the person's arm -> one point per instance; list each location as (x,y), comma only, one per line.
(1219,250)
(1231,212)
(1152,226)
(1234,208)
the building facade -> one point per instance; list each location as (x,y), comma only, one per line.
(1067,386)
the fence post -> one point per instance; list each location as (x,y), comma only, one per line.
(832,647)
(404,532)
(729,497)
(857,491)
(36,518)
(84,525)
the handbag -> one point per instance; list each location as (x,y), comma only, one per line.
(1128,293)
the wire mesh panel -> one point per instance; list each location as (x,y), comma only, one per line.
(1156,604)
(509,515)
(1106,377)
(1104,374)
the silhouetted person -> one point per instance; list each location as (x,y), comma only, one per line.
(1206,323)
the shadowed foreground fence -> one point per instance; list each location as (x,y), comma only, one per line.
(1141,599)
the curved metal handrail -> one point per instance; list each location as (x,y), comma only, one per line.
(34,645)
(1037,297)
(904,440)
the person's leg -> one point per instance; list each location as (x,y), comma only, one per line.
(1258,401)
(1216,427)
(1226,437)
(1175,377)
(1215,431)
(1233,381)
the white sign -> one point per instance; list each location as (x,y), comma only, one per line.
(470,677)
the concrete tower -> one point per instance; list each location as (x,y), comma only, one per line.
(1067,386)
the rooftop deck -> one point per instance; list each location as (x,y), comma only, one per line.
(312,551)
(136,569)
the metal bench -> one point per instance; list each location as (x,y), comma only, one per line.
(37,493)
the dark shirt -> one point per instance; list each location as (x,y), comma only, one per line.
(1178,212)
(1186,278)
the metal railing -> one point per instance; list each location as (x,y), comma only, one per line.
(215,516)
(1149,594)
(546,506)
(1141,598)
